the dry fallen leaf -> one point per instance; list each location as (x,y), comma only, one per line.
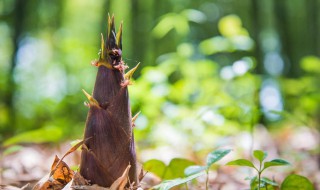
(72,149)
(60,176)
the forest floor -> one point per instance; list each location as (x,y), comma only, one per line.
(299,146)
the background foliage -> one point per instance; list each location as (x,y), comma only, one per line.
(209,68)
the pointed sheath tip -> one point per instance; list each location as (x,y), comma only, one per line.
(102,47)
(101,62)
(119,36)
(110,25)
(129,74)
(112,36)
(92,101)
(134,118)
(112,18)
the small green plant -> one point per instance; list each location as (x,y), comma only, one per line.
(194,171)
(211,159)
(259,182)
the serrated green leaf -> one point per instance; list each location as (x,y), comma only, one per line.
(194,169)
(260,155)
(275,162)
(155,166)
(166,185)
(216,156)
(241,162)
(176,168)
(296,182)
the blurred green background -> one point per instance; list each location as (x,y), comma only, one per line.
(209,68)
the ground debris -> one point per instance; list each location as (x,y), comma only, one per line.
(9,187)
(80,183)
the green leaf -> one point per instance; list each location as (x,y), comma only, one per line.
(171,21)
(176,168)
(260,155)
(241,162)
(311,64)
(275,162)
(155,166)
(231,26)
(42,135)
(265,184)
(194,169)
(253,181)
(296,182)
(268,181)
(216,156)
(215,45)
(12,149)
(166,185)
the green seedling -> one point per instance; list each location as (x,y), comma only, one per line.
(191,172)
(212,158)
(259,182)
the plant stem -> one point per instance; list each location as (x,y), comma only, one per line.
(259,174)
(259,179)
(207,180)
(252,134)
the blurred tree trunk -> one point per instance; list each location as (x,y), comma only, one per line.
(256,30)
(17,24)
(141,32)
(313,17)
